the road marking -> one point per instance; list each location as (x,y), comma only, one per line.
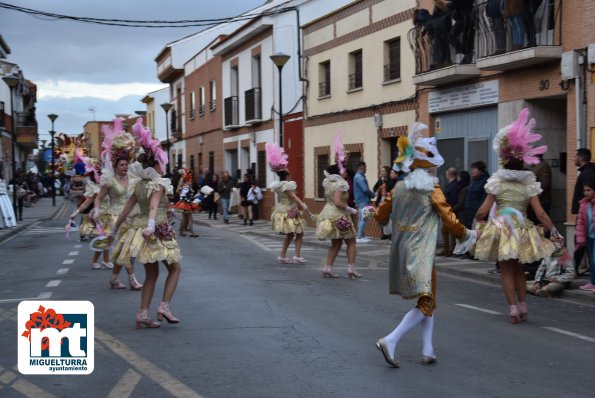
(571,334)
(78,246)
(472,307)
(45,295)
(73,253)
(65,262)
(53,283)
(30,390)
(125,385)
(62,271)
(257,243)
(161,377)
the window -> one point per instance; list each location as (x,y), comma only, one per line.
(192,105)
(256,71)
(353,160)
(2,114)
(201,101)
(212,161)
(213,92)
(355,70)
(322,162)
(324,79)
(179,161)
(392,59)
(192,164)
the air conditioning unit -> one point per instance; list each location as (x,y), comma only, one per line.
(569,65)
(378,120)
(591,54)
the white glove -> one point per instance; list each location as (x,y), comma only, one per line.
(150,226)
(350,210)
(73,215)
(305,206)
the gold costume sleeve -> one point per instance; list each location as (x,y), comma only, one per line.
(449,219)
(383,211)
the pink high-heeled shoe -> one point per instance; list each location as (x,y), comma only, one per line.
(523,313)
(328,273)
(352,273)
(142,318)
(299,260)
(283,260)
(514,314)
(115,283)
(134,285)
(165,312)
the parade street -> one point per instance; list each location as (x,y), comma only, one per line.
(250,327)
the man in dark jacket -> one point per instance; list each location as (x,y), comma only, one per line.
(476,193)
(448,240)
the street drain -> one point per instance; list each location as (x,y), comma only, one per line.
(286,282)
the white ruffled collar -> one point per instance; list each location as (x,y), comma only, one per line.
(524,176)
(136,169)
(420,180)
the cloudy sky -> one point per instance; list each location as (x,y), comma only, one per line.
(79,66)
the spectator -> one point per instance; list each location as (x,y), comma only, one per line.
(543,174)
(212,201)
(20,184)
(585,229)
(380,186)
(362,194)
(245,204)
(460,194)
(476,193)
(448,240)
(224,188)
(553,275)
(254,196)
(586,172)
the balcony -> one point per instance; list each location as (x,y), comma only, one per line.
(232,114)
(324,89)
(26,130)
(253,105)
(449,49)
(529,38)
(212,105)
(355,81)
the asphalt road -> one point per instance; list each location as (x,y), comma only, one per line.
(252,328)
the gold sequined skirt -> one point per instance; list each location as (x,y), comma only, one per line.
(526,244)
(281,222)
(326,227)
(132,246)
(87,228)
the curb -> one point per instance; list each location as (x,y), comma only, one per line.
(28,224)
(479,275)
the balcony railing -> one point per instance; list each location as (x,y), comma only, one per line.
(26,119)
(201,110)
(253,104)
(392,72)
(355,80)
(212,105)
(324,89)
(192,113)
(464,35)
(231,109)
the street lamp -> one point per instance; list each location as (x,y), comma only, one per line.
(280,60)
(166,107)
(12,82)
(53,117)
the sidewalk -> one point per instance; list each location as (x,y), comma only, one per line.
(467,268)
(42,210)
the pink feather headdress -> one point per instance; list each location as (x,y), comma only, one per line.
(514,141)
(339,150)
(151,146)
(117,143)
(276,157)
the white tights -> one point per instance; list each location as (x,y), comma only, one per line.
(411,319)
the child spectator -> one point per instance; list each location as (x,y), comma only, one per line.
(585,230)
(553,275)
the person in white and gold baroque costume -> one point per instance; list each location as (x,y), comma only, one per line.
(415,207)
(509,237)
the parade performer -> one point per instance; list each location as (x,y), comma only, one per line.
(335,221)
(286,217)
(6,209)
(415,207)
(88,227)
(186,204)
(150,236)
(509,237)
(116,186)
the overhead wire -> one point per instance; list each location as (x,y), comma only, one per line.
(141,23)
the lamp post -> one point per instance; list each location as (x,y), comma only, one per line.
(12,82)
(280,60)
(166,107)
(53,117)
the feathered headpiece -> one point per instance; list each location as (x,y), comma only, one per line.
(276,157)
(151,146)
(416,150)
(514,141)
(339,150)
(117,144)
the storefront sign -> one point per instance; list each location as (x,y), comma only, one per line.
(469,96)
